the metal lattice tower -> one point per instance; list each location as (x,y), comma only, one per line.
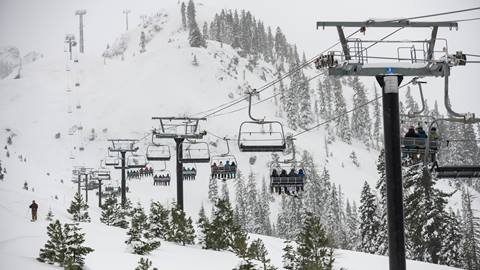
(81,13)
(354,62)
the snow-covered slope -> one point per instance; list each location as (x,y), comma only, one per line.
(117,99)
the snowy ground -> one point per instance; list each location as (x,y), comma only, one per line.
(122,96)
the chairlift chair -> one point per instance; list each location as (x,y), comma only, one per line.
(135,161)
(162,176)
(224,166)
(195,152)
(158,153)
(189,174)
(112,159)
(259,135)
(287,176)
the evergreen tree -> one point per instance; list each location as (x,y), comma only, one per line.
(251,210)
(258,251)
(64,246)
(195,36)
(184,18)
(425,215)
(79,209)
(352,230)
(313,251)
(203,226)
(212,190)
(411,104)
(145,264)
(369,221)
(159,219)
(354,159)
(181,227)
(223,229)
(143,42)
(113,214)
(377,120)
(140,237)
(292,106)
(74,251)
(451,253)
(471,232)
(305,113)
(381,186)
(241,202)
(225,192)
(361,122)
(49,215)
(263,210)
(54,249)
(205,30)
(342,122)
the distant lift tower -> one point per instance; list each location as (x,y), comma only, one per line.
(126,11)
(70,40)
(123,146)
(352,60)
(80,14)
(179,129)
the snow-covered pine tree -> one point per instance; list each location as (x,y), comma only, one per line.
(212,190)
(342,122)
(223,228)
(143,42)
(471,233)
(305,114)
(181,227)
(451,253)
(369,221)
(195,36)
(410,103)
(292,106)
(381,187)
(113,214)
(184,18)
(49,215)
(263,200)
(159,219)
(334,224)
(140,238)
(377,120)
(241,202)
(352,230)
(54,250)
(251,205)
(145,264)
(425,215)
(74,249)
(313,249)
(314,188)
(79,209)
(361,122)
(203,226)
(258,251)
(225,195)
(353,157)
(205,30)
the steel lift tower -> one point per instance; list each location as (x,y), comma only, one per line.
(126,11)
(179,129)
(353,61)
(81,13)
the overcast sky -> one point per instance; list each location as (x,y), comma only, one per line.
(41,25)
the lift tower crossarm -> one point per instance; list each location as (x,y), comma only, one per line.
(387,24)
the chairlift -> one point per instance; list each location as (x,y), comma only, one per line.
(195,152)
(287,176)
(135,161)
(456,170)
(224,166)
(112,159)
(162,177)
(158,153)
(189,172)
(259,135)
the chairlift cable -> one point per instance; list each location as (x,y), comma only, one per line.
(468,20)
(435,14)
(270,84)
(347,112)
(263,100)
